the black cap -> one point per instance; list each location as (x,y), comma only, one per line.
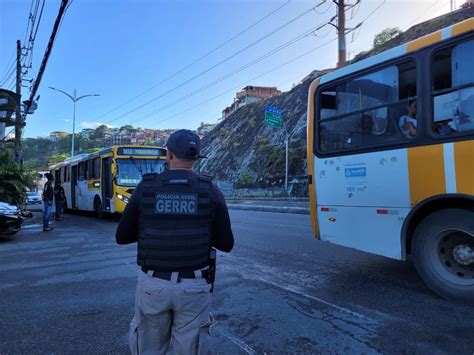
(185,144)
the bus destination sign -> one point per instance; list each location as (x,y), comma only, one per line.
(149,152)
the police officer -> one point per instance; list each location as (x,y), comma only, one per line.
(177,218)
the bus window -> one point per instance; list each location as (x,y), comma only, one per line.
(57,175)
(453,89)
(96,168)
(82,170)
(367,110)
(89,172)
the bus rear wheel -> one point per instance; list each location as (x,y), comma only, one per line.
(443,252)
(98,211)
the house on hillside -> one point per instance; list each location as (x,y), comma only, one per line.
(205,128)
(248,95)
(57,135)
(87,132)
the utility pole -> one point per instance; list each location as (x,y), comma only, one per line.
(342,30)
(341,33)
(18,117)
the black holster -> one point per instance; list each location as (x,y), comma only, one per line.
(211,275)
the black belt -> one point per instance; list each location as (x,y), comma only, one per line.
(181,274)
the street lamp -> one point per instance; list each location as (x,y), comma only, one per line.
(74,99)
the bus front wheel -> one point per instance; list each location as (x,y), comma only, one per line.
(99,212)
(443,253)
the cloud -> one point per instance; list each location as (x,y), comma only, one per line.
(66,120)
(90,124)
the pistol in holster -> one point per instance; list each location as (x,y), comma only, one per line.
(211,275)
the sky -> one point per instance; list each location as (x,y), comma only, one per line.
(176,63)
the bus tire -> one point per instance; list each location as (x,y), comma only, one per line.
(443,248)
(98,211)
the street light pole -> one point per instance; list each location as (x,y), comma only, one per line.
(74,99)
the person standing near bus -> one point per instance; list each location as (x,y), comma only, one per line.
(407,122)
(48,196)
(177,217)
(59,198)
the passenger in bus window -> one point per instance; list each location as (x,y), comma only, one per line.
(407,123)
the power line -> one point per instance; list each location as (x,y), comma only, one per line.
(197,60)
(9,73)
(422,13)
(217,64)
(13,61)
(39,21)
(47,53)
(246,83)
(373,12)
(226,76)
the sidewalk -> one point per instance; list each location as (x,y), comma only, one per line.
(296,205)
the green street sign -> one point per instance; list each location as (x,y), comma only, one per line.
(272,117)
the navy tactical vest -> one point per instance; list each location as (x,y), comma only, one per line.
(174,224)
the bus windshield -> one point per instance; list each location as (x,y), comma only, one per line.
(131,170)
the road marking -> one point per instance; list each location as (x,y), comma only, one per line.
(320,300)
(241,344)
(294,289)
(31,226)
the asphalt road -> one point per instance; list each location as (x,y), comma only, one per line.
(278,291)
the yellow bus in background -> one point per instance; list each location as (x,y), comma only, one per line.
(104,181)
(391,157)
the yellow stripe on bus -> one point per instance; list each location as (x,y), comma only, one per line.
(463,158)
(426,172)
(310,156)
(461,27)
(424,41)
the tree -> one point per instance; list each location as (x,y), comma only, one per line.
(128,128)
(14,179)
(100,131)
(386,35)
(31,164)
(58,158)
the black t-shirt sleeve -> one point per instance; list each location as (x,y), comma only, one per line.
(222,236)
(127,230)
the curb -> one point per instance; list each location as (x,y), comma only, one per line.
(259,208)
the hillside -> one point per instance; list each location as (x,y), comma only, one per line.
(242,150)
(241,146)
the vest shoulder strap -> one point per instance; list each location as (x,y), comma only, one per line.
(205,178)
(149,176)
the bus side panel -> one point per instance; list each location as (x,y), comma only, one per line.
(85,196)
(464,165)
(363,228)
(371,179)
(363,200)
(67,192)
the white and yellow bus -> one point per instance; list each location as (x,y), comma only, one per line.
(104,181)
(391,157)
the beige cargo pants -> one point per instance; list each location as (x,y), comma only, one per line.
(171,316)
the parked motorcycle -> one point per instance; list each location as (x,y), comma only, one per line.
(11,218)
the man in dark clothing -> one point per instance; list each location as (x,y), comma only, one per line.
(59,198)
(176,217)
(48,195)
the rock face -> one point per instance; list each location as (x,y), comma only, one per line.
(242,150)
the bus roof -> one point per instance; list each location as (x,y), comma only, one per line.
(416,44)
(86,156)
